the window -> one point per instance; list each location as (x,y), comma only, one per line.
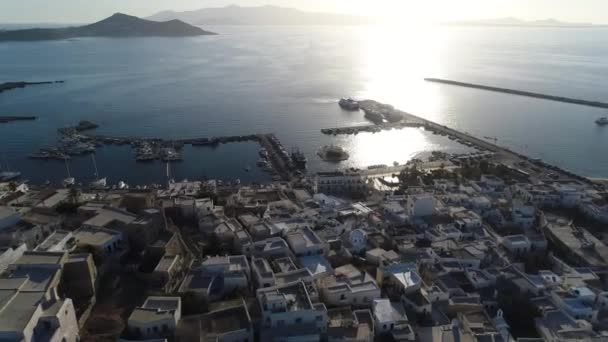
(298,320)
(319,318)
(384,327)
(342,297)
(280,323)
(155,329)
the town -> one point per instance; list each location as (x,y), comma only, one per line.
(475,249)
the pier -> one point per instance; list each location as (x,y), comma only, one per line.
(485,148)
(596,104)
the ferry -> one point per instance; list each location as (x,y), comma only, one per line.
(603,121)
(349,104)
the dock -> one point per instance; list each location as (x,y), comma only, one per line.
(596,104)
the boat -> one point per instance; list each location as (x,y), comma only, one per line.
(6,176)
(603,121)
(262,162)
(69,181)
(9,175)
(122,185)
(263,153)
(348,104)
(98,183)
(299,159)
(333,153)
(169,154)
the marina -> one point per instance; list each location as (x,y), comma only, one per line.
(73,141)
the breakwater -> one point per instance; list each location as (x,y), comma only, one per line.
(15,85)
(596,104)
(6,119)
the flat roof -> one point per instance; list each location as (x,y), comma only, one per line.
(316,264)
(295,295)
(17,309)
(387,311)
(226,320)
(6,212)
(95,236)
(105,216)
(166,262)
(40,258)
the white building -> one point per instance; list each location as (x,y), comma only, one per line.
(31,309)
(388,316)
(349,286)
(341,182)
(158,317)
(420,205)
(524,216)
(289,314)
(102,240)
(403,278)
(517,244)
(305,242)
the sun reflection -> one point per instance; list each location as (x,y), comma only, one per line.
(387,147)
(395,61)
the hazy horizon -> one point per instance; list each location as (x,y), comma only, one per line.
(76,11)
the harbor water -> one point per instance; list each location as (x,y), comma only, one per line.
(287,80)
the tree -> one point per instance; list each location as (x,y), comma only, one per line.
(74,196)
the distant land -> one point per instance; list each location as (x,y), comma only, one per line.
(262,15)
(514,22)
(116,26)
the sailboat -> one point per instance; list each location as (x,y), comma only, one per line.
(70,181)
(98,183)
(9,175)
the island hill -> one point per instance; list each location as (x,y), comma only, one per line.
(117,26)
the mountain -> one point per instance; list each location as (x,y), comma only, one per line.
(262,15)
(118,25)
(514,22)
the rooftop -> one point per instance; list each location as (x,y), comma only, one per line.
(295,296)
(387,311)
(95,236)
(106,215)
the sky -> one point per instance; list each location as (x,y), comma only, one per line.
(84,11)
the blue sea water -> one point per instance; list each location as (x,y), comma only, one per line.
(286,80)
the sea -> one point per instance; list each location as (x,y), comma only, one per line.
(287,80)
